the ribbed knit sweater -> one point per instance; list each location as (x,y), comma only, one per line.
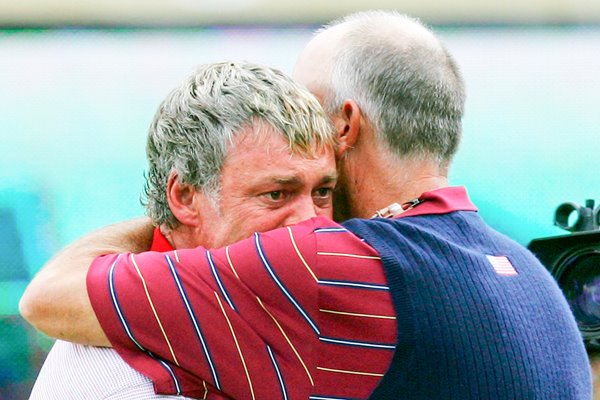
(468,328)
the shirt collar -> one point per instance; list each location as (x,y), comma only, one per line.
(442,201)
(160,242)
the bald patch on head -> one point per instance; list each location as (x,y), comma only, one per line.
(398,30)
(405,29)
(313,67)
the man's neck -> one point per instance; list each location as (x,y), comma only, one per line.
(385,182)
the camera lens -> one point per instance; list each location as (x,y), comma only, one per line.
(579,278)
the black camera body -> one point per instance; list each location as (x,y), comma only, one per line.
(574,261)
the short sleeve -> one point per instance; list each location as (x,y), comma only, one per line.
(235,322)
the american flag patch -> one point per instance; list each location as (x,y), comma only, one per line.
(502,265)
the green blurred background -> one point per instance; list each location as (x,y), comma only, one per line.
(79,87)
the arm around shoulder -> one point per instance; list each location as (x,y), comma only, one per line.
(56,301)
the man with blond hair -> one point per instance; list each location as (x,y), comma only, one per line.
(236,148)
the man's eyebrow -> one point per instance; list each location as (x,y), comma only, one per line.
(287,180)
(294,180)
(329,178)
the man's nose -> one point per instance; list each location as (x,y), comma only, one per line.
(303,209)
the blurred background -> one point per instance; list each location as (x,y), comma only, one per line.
(80,82)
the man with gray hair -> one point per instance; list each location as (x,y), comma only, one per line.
(421,301)
(237,148)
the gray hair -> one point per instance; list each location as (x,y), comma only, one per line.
(405,82)
(194,126)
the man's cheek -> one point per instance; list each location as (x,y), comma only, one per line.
(268,223)
(326,212)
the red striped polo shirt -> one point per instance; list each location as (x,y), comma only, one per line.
(295,313)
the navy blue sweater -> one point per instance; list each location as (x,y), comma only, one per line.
(466,331)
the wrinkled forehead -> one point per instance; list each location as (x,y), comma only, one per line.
(302,141)
(264,155)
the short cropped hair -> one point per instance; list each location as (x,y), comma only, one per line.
(403,79)
(194,126)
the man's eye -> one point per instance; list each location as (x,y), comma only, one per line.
(323,192)
(276,195)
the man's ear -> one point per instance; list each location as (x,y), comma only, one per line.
(347,125)
(182,202)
